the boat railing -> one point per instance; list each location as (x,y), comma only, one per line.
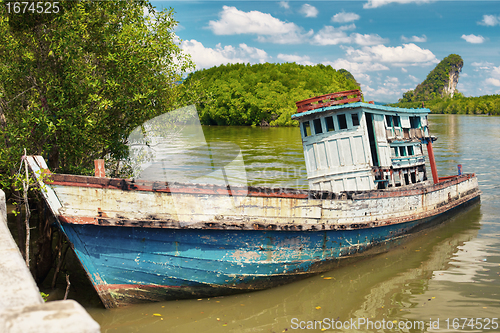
(342,97)
(407,161)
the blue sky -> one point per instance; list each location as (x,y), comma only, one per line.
(388,45)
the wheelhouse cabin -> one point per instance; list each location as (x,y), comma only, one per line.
(354,146)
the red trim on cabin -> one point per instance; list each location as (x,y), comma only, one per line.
(328,100)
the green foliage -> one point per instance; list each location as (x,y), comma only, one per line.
(429,93)
(488,104)
(432,87)
(348,75)
(74,84)
(44,296)
(244,94)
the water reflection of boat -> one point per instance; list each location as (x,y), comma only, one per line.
(145,240)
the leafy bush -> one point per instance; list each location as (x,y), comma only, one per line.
(244,94)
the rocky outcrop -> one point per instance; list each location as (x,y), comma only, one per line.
(440,82)
(451,87)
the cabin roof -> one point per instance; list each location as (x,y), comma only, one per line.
(364,106)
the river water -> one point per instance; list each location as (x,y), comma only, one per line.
(431,283)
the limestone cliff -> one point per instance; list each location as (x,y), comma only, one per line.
(449,90)
(440,82)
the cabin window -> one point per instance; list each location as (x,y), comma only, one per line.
(410,151)
(396,121)
(402,151)
(355,119)
(329,124)
(413,177)
(422,174)
(388,120)
(342,121)
(306,128)
(397,180)
(415,122)
(317,126)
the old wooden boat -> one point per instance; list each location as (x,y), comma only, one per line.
(141,240)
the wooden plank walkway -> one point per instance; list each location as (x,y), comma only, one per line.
(22,309)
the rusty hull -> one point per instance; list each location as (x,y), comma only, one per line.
(118,202)
(149,241)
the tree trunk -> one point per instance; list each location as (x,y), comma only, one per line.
(20,225)
(44,256)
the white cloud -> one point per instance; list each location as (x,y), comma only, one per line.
(389,89)
(490,20)
(493,77)
(356,67)
(378,58)
(493,81)
(351,26)
(363,77)
(406,55)
(392,80)
(359,70)
(234,22)
(309,11)
(344,17)
(404,70)
(284,4)
(267,28)
(293,37)
(496,72)
(483,65)
(365,40)
(254,53)
(205,57)
(329,35)
(359,55)
(413,78)
(301,60)
(416,39)
(473,39)
(380,3)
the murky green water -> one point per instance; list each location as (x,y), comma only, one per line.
(452,271)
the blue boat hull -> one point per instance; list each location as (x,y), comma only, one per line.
(132,264)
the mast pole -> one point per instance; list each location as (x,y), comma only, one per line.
(432,161)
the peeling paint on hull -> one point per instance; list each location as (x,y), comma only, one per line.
(135,265)
(145,241)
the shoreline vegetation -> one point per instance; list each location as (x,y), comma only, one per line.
(485,105)
(262,94)
(265,94)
